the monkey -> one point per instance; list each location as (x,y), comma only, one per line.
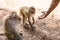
(27,13)
(51,8)
(10,31)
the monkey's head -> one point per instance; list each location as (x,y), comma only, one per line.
(14,15)
(32,10)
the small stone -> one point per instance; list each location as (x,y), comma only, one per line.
(34,36)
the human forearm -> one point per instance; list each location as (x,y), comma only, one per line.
(52,7)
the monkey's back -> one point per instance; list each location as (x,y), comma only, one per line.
(10,32)
(24,11)
(10,27)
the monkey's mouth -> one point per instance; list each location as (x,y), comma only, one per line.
(32,11)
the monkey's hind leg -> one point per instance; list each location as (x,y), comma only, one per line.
(23,21)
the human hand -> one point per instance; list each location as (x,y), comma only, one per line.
(42,16)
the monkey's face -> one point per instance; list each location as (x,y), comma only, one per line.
(32,11)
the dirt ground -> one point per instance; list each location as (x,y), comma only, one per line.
(44,29)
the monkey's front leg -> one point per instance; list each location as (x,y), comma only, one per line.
(33,20)
(30,23)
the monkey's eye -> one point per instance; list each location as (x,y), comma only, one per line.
(32,11)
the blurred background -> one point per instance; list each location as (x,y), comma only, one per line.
(38,4)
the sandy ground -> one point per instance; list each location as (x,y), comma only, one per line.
(45,29)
